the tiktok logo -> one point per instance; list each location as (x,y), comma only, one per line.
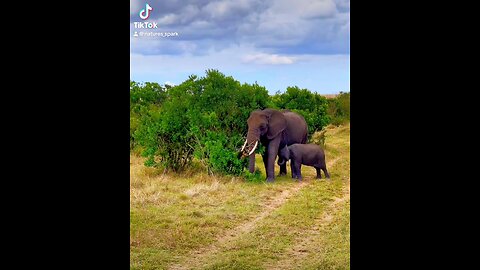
(145,13)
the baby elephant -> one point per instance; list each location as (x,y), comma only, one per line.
(306,154)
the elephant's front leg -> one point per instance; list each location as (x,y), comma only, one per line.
(292,168)
(298,170)
(265,160)
(271,153)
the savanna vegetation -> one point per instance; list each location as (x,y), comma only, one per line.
(193,203)
(202,121)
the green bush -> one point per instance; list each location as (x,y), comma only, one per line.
(144,97)
(312,106)
(339,109)
(203,118)
(221,156)
(256,176)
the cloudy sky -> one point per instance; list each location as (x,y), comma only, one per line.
(277,43)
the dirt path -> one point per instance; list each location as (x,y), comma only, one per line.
(296,254)
(199,257)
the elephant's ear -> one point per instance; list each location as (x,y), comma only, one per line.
(276,124)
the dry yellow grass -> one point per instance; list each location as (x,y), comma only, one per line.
(330,95)
(197,221)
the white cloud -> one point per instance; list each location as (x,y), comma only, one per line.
(303,8)
(168,19)
(276,26)
(186,15)
(318,9)
(269,59)
(225,8)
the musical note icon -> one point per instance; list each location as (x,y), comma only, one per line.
(145,13)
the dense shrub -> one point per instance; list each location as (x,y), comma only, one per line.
(144,94)
(163,131)
(256,176)
(312,106)
(339,108)
(203,118)
(144,97)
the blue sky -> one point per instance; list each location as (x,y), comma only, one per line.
(277,43)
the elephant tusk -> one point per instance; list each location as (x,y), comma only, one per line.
(255,146)
(243,147)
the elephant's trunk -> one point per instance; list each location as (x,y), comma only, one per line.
(251,165)
(251,154)
(281,161)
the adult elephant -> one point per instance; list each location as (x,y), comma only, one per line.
(274,129)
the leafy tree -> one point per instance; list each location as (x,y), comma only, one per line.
(312,106)
(143,95)
(143,98)
(203,118)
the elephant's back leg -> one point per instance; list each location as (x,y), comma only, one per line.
(318,169)
(292,168)
(324,169)
(324,165)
